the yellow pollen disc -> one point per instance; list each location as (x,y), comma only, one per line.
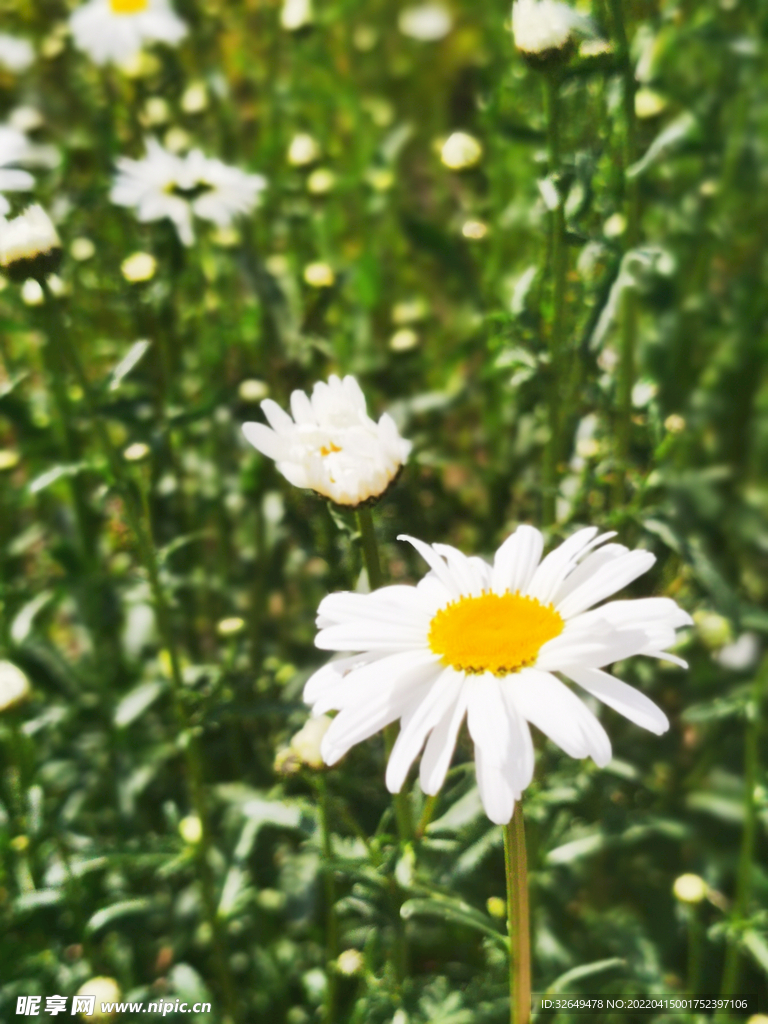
(329,449)
(493,633)
(128,6)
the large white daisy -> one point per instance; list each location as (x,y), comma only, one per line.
(484,642)
(331,445)
(116,30)
(14,149)
(165,184)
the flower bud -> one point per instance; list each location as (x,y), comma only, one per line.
(105,990)
(14,686)
(690,889)
(461,151)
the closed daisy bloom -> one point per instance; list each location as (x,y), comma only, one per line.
(167,185)
(488,642)
(331,445)
(14,149)
(114,31)
(543,27)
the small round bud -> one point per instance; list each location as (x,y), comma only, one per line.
(136,452)
(253,390)
(195,98)
(139,267)
(321,181)
(404,340)
(350,962)
(714,630)
(461,151)
(14,686)
(690,889)
(674,423)
(474,230)
(105,990)
(306,743)
(231,626)
(497,907)
(296,15)
(303,150)
(426,22)
(82,249)
(191,829)
(32,293)
(319,275)
(9,459)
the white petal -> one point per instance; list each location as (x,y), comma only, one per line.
(394,692)
(613,576)
(464,570)
(301,407)
(423,718)
(266,441)
(585,569)
(516,560)
(496,789)
(554,709)
(625,699)
(329,683)
(369,636)
(441,743)
(277,418)
(436,564)
(555,566)
(487,718)
(394,604)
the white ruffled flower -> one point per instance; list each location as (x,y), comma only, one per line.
(14,149)
(485,642)
(116,30)
(165,184)
(16,54)
(542,26)
(331,445)
(426,22)
(14,686)
(29,245)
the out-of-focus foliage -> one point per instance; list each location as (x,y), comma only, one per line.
(438,287)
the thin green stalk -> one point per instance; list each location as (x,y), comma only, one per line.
(695,936)
(558,268)
(516,864)
(628,312)
(137,513)
(732,967)
(426,816)
(331,923)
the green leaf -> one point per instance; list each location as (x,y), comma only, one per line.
(54,474)
(131,359)
(757,945)
(117,911)
(136,703)
(455,911)
(584,971)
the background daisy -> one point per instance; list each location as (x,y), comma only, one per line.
(116,30)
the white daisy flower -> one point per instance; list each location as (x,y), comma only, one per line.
(116,30)
(331,445)
(165,184)
(425,22)
(16,54)
(14,149)
(29,245)
(543,26)
(485,641)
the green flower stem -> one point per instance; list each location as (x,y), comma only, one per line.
(331,922)
(137,513)
(558,267)
(628,312)
(695,949)
(516,864)
(426,816)
(732,967)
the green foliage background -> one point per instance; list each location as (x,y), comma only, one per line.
(95,877)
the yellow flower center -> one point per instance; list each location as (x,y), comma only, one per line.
(493,633)
(128,6)
(329,449)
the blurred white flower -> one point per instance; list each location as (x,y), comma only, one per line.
(191,829)
(319,275)
(14,149)
(741,655)
(303,150)
(14,686)
(331,445)
(321,181)
(104,990)
(195,98)
(167,185)
(296,14)
(350,962)
(306,743)
(16,54)
(485,642)
(25,119)
(403,340)
(116,30)
(139,267)
(543,26)
(32,293)
(29,245)
(425,22)
(461,151)
(474,229)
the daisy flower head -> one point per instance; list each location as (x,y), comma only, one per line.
(29,245)
(331,445)
(14,149)
(114,31)
(544,29)
(169,185)
(488,642)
